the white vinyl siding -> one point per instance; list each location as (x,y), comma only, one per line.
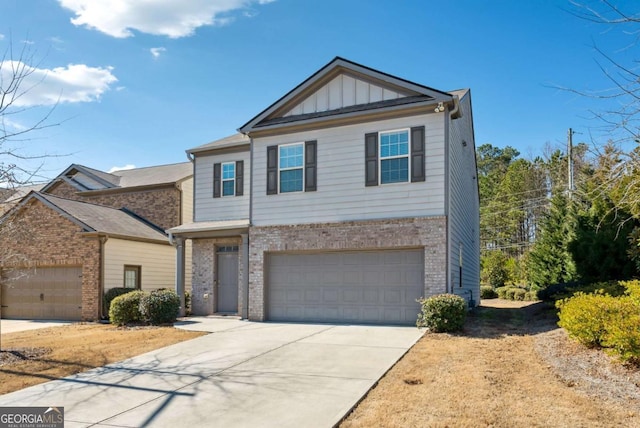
(157,263)
(341,193)
(464,219)
(208,208)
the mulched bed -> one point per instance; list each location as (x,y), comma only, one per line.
(15,355)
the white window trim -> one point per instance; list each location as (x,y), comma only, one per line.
(408,156)
(291,169)
(222,180)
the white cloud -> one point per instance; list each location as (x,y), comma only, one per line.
(170,18)
(121,168)
(157,51)
(1,36)
(71,84)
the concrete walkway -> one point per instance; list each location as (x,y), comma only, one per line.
(11,326)
(244,374)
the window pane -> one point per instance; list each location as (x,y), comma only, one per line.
(291,156)
(394,144)
(228,171)
(228,188)
(130,278)
(394,170)
(291,181)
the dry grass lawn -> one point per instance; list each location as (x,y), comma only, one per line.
(56,352)
(494,374)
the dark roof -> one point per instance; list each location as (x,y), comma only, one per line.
(101,219)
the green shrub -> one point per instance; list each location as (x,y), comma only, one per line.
(187,303)
(125,308)
(585,316)
(160,306)
(487,292)
(623,330)
(632,289)
(502,292)
(442,313)
(510,294)
(112,294)
(531,296)
(564,291)
(519,293)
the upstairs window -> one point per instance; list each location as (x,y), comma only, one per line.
(394,157)
(291,167)
(229,179)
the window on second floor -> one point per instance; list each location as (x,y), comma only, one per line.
(292,168)
(228,179)
(394,156)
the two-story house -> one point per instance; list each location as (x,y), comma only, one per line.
(346,200)
(86,231)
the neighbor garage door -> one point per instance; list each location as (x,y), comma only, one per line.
(379,287)
(45,293)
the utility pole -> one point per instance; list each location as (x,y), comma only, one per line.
(570,161)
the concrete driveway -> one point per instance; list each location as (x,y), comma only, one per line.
(242,374)
(11,326)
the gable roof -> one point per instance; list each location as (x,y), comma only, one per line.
(235,140)
(10,197)
(401,92)
(88,179)
(97,218)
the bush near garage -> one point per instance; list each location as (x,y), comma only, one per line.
(160,306)
(442,313)
(112,294)
(125,309)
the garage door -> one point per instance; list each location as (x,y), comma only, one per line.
(44,293)
(379,287)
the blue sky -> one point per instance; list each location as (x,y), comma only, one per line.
(140,82)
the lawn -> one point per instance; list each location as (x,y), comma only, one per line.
(31,357)
(512,366)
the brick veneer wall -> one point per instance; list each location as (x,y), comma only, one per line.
(426,232)
(159,206)
(40,237)
(204,273)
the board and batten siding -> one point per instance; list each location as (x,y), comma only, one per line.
(464,206)
(208,208)
(157,261)
(341,192)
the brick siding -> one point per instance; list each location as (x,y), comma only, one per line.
(40,237)
(425,232)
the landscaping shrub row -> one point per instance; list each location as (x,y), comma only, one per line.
(598,319)
(155,307)
(508,292)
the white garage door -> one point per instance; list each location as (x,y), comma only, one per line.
(53,293)
(379,287)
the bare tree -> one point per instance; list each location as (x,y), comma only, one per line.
(18,166)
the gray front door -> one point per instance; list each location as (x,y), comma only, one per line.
(228,281)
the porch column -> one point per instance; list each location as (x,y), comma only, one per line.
(180,262)
(245,276)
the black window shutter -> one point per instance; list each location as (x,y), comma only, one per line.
(239,178)
(310,166)
(371,159)
(216,179)
(272,170)
(417,154)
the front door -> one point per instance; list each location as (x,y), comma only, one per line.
(227,258)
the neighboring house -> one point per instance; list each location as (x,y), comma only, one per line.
(88,231)
(10,197)
(346,200)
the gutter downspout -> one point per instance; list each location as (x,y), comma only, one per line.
(178,243)
(103,240)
